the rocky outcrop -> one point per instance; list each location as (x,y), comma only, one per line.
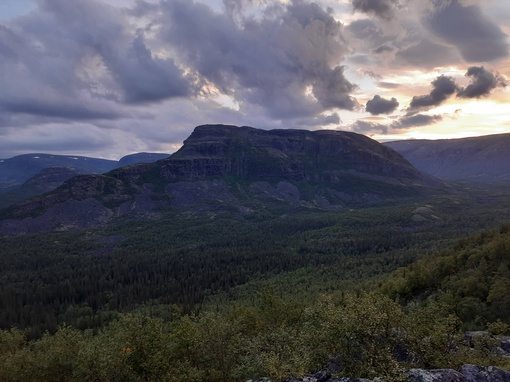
(438,375)
(484,374)
(468,373)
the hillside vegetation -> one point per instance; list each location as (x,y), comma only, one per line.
(250,254)
(473,278)
(363,335)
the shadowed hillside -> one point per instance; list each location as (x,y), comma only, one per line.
(485,158)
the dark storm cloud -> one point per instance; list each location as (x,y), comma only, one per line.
(379,105)
(383,49)
(443,87)
(426,54)
(277,61)
(482,83)
(319,121)
(382,8)
(476,37)
(364,127)
(416,121)
(104,32)
(365,29)
(406,122)
(86,60)
(80,60)
(63,109)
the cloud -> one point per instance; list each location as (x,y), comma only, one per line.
(104,33)
(319,121)
(379,105)
(482,83)
(81,61)
(466,27)
(406,122)
(443,87)
(388,85)
(425,53)
(382,8)
(365,29)
(416,121)
(364,127)
(285,61)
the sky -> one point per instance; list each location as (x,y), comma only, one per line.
(107,78)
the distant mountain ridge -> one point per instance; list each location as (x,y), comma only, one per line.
(484,158)
(235,169)
(137,158)
(17,170)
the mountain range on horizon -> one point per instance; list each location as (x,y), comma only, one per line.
(483,158)
(242,169)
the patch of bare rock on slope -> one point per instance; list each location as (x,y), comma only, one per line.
(467,373)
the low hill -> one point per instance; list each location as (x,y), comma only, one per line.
(48,179)
(485,158)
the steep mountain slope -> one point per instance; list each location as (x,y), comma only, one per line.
(46,180)
(241,170)
(485,158)
(325,155)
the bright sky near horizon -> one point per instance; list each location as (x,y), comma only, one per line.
(106,78)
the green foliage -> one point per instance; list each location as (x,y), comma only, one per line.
(364,336)
(472,278)
(198,283)
(498,328)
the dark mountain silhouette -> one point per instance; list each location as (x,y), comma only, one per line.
(241,170)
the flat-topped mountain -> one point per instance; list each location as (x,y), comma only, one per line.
(237,169)
(485,158)
(214,150)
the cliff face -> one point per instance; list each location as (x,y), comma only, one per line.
(216,150)
(232,168)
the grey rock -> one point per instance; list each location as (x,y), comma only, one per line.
(505,344)
(474,373)
(437,375)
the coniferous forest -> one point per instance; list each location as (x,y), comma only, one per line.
(365,292)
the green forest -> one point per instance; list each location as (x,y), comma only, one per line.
(366,292)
